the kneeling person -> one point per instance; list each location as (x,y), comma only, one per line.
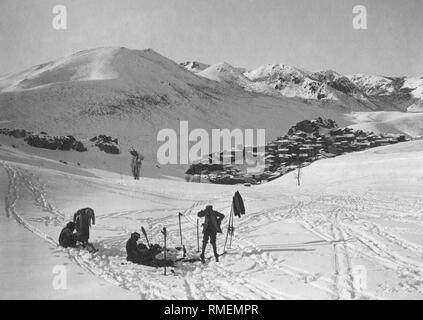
(67,236)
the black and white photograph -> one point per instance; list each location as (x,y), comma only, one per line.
(211,150)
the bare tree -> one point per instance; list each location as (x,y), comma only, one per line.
(298,174)
(297,160)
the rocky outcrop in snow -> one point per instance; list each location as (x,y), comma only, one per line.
(15,133)
(106,144)
(44,141)
(63,143)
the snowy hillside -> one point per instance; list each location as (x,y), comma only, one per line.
(82,66)
(372,85)
(378,85)
(410,124)
(405,94)
(352,230)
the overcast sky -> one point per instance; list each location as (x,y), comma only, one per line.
(309,34)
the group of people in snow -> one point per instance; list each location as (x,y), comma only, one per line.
(78,232)
(141,254)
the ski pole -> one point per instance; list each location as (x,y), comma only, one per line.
(198,239)
(232,233)
(180,228)
(145,235)
(165,262)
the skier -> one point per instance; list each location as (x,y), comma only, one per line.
(82,219)
(67,236)
(211,227)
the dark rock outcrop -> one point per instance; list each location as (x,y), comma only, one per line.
(106,144)
(16,133)
(63,143)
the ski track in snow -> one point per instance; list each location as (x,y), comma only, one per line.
(341,221)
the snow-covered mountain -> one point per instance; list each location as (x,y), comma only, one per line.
(405,93)
(133,94)
(288,81)
(224,72)
(194,66)
(82,66)
(351,91)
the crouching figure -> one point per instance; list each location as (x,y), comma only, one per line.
(68,236)
(139,253)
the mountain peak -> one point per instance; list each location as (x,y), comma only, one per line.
(194,66)
(222,71)
(272,71)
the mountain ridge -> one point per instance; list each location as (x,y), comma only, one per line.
(374,91)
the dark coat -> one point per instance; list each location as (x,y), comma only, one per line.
(238,205)
(82,219)
(67,238)
(212,221)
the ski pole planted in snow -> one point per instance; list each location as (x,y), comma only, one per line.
(145,235)
(164,231)
(180,228)
(198,239)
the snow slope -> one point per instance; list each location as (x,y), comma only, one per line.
(83,66)
(352,230)
(410,124)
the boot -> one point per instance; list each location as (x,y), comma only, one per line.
(216,255)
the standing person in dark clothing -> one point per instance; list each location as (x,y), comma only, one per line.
(211,227)
(82,219)
(67,236)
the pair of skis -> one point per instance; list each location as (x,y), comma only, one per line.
(231,229)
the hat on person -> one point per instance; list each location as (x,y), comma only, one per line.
(71,225)
(135,234)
